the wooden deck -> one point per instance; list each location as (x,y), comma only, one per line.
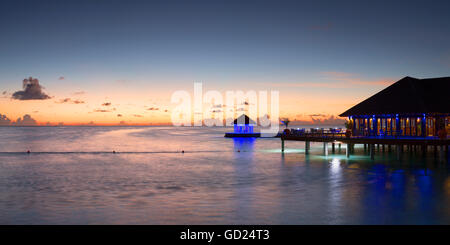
(369,142)
(382,140)
(243,135)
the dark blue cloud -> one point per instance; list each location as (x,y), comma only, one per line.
(32,90)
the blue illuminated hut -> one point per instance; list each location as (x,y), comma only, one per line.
(243,127)
(243,124)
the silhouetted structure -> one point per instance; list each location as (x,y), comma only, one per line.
(243,124)
(243,127)
(410,112)
(409,107)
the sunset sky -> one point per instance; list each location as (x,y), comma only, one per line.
(107,62)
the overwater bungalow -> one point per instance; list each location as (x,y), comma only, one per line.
(410,107)
(243,127)
(243,124)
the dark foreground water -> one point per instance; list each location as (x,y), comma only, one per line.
(71,177)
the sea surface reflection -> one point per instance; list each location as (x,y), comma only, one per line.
(72,177)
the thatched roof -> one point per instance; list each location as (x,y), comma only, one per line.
(243,119)
(407,96)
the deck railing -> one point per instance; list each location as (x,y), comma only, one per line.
(340,133)
(332,133)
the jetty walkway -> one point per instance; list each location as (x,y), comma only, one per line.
(398,142)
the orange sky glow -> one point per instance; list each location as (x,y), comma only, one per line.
(135,103)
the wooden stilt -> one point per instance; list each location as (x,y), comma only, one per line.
(414,146)
(447,154)
(372,151)
(424,150)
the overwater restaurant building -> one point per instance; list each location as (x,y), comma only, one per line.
(409,107)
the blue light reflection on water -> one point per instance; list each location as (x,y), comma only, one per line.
(244,144)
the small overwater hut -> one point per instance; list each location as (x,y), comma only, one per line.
(243,127)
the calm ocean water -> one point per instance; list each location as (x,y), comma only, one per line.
(71,177)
